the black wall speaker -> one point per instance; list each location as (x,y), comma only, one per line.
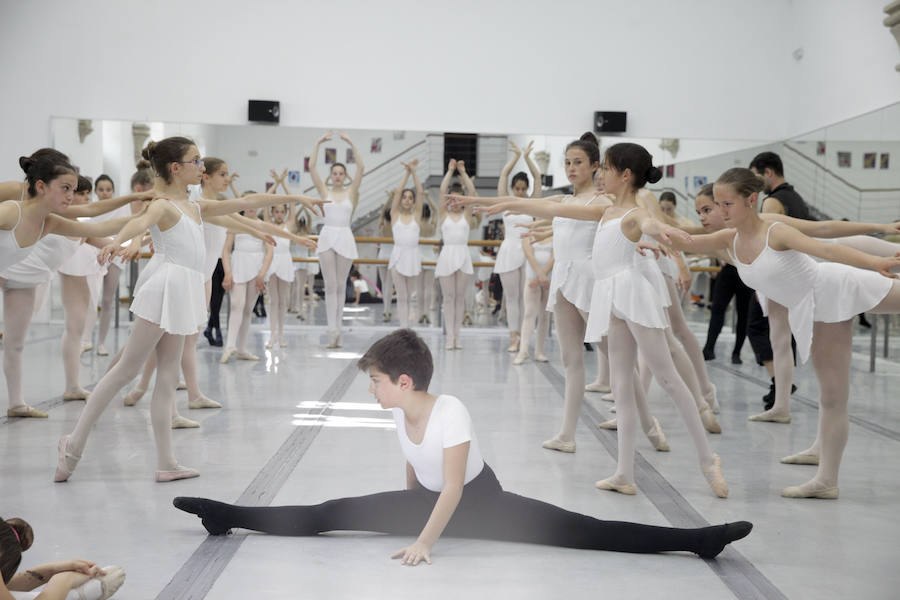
(265,111)
(609,122)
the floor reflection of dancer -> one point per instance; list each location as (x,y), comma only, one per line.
(406,261)
(169,305)
(510,265)
(450,491)
(454,265)
(337,248)
(539,265)
(822,299)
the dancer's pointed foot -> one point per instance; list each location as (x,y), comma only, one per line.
(608,397)
(179,422)
(811,489)
(559,445)
(226,356)
(617,484)
(241,355)
(209,511)
(334,340)
(771,416)
(709,420)
(179,472)
(657,437)
(181,386)
(719,536)
(612,424)
(713,474)
(711,399)
(112,579)
(132,397)
(709,354)
(203,402)
(801,458)
(601,388)
(26,412)
(541,357)
(102,351)
(521,357)
(66,461)
(86,346)
(77,394)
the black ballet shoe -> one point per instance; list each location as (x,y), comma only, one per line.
(769,398)
(709,354)
(207,333)
(217,337)
(205,509)
(720,536)
(863,322)
(736,359)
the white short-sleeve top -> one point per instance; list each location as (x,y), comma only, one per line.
(449,425)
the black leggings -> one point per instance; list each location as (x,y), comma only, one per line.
(484,512)
(728,285)
(215,298)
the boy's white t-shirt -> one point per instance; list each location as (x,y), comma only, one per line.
(449,425)
(361,285)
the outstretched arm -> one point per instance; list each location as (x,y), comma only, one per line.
(313,171)
(503,181)
(455,459)
(63,226)
(11,190)
(832,229)
(788,238)
(548,208)
(360,170)
(211,208)
(256,226)
(100,207)
(537,190)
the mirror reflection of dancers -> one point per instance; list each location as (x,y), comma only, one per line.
(425,292)
(406,261)
(450,491)
(280,275)
(821,299)
(539,265)
(629,308)
(337,248)
(170,303)
(303,289)
(454,265)
(384,253)
(510,265)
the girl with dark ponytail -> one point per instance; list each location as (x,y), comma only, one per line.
(626,306)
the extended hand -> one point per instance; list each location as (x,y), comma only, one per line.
(260,283)
(227,282)
(514,148)
(642,246)
(308,242)
(414,554)
(885,265)
(77,565)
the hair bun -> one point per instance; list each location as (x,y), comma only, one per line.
(26,163)
(653,174)
(148,151)
(589,137)
(142,164)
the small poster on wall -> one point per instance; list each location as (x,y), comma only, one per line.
(294,177)
(350,158)
(844,160)
(699,181)
(306,164)
(670,171)
(869,160)
(376,145)
(330,155)
(885,161)
(820,148)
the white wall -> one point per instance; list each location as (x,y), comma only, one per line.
(504,66)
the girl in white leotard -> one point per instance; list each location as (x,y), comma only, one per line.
(510,265)
(821,300)
(384,253)
(406,262)
(280,275)
(539,265)
(454,265)
(337,248)
(169,304)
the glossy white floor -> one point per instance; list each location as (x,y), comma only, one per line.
(299,427)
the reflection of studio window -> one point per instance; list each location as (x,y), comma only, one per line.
(462,146)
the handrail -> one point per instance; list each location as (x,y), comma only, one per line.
(381,164)
(836,176)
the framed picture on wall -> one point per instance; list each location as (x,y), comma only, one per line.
(820,148)
(330,156)
(670,171)
(869,160)
(699,181)
(294,177)
(844,160)
(376,145)
(306,164)
(885,161)
(350,158)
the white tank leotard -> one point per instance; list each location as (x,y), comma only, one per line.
(405,256)
(336,234)
(454,254)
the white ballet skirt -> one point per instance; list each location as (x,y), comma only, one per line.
(511,256)
(336,234)
(454,254)
(668,266)
(282,266)
(621,287)
(543,252)
(572,274)
(82,262)
(405,256)
(652,269)
(247,258)
(122,211)
(214,242)
(42,262)
(171,293)
(811,291)
(298,251)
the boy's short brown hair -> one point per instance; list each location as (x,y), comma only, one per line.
(401,353)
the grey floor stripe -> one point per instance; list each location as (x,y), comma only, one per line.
(813,404)
(198,574)
(735,571)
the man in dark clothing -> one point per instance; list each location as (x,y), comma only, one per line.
(781,199)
